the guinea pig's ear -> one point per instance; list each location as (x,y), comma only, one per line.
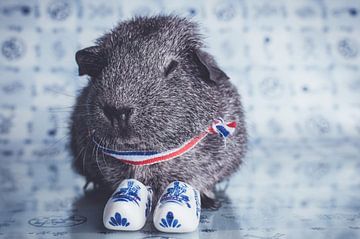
(91,61)
(209,70)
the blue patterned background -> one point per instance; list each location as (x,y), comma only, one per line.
(296,64)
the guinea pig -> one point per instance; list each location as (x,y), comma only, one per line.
(152,87)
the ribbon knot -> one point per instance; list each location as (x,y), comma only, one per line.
(221,128)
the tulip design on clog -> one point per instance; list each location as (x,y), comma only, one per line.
(178,209)
(118,221)
(169,221)
(128,207)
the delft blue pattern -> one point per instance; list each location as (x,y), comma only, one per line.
(117,220)
(176,194)
(169,221)
(128,194)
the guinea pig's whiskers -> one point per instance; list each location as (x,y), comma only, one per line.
(103,142)
(58,141)
(103,157)
(62,93)
(80,108)
(84,155)
(92,153)
(84,114)
(96,156)
(53,111)
(82,149)
(52,146)
(63,127)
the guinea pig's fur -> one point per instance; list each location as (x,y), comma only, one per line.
(155,73)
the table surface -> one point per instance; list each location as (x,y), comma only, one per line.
(284,190)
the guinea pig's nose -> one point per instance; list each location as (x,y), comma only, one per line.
(118,116)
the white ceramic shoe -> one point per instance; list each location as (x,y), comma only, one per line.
(128,207)
(178,209)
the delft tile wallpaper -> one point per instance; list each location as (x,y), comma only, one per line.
(296,64)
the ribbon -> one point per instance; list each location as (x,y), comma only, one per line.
(218,127)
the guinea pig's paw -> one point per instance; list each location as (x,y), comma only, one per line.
(128,207)
(178,209)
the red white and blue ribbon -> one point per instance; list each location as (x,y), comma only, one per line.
(151,157)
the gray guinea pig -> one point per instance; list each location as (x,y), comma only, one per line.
(153,87)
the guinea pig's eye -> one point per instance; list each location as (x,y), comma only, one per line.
(171,67)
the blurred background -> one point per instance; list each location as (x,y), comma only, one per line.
(296,64)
